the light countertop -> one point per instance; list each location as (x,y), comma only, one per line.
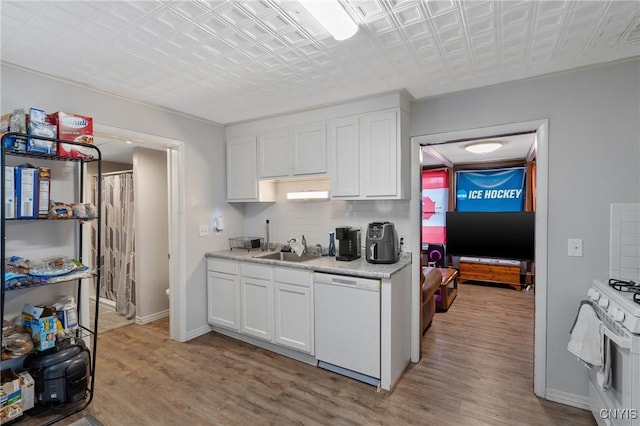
(329,264)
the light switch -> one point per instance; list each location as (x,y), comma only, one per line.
(575,247)
(204,230)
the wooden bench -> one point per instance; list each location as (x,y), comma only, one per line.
(501,271)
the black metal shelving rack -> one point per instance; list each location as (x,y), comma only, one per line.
(49,416)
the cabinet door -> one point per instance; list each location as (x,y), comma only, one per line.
(344,157)
(257,302)
(379,154)
(294,317)
(309,149)
(242,169)
(275,154)
(223,304)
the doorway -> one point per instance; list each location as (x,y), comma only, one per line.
(540,127)
(174,167)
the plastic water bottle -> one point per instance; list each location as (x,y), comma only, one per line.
(332,244)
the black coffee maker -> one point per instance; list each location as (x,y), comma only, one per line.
(348,243)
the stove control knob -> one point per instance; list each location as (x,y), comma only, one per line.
(619,315)
(604,302)
(593,294)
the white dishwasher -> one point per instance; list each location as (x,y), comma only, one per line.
(347,326)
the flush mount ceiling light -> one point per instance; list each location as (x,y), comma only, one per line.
(308,195)
(483,147)
(332,16)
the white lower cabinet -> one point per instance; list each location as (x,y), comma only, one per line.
(265,302)
(223,294)
(256,294)
(294,309)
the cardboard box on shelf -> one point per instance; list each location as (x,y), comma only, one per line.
(41,321)
(44,190)
(26,182)
(27,390)
(10,396)
(9,192)
(73,128)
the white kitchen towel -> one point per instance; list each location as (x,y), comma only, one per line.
(587,338)
(603,376)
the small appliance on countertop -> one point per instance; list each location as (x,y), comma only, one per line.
(349,240)
(382,244)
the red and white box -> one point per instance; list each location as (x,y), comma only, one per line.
(73,128)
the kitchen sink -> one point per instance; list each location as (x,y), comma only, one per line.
(288,256)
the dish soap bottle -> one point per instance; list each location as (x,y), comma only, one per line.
(332,244)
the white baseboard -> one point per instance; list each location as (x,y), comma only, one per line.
(578,401)
(150,318)
(198,332)
(109,304)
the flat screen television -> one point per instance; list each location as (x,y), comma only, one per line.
(506,235)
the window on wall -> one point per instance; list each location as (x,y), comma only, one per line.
(495,190)
(435,203)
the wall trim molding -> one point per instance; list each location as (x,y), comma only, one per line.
(200,331)
(578,401)
(150,318)
(111,94)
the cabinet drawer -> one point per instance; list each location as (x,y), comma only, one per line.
(293,276)
(224,266)
(255,271)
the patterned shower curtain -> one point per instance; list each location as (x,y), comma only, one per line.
(118,280)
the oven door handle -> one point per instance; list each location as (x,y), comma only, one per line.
(622,341)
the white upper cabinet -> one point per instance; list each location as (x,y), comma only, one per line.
(379,150)
(309,149)
(362,146)
(369,156)
(275,154)
(242,172)
(344,157)
(297,151)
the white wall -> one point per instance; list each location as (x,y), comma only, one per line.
(205,169)
(594,152)
(316,219)
(152,233)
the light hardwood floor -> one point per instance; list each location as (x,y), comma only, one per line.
(476,370)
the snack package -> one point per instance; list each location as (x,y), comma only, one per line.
(16,122)
(60,211)
(39,127)
(73,128)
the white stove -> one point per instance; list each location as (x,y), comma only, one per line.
(617,304)
(620,300)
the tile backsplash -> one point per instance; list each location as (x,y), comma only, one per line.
(625,241)
(316,219)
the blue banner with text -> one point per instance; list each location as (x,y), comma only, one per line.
(497,190)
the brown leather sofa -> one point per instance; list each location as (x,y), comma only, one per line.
(431,279)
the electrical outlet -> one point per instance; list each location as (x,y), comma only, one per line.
(575,247)
(204,230)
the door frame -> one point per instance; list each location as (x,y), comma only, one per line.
(541,127)
(176,226)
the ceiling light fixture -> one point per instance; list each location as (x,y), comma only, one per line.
(483,147)
(332,16)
